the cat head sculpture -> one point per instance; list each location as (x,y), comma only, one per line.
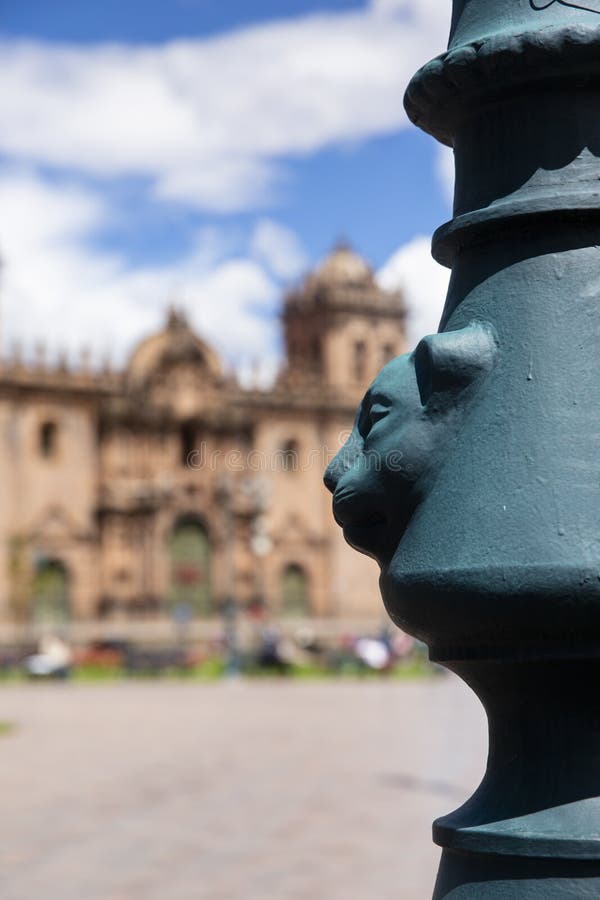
(402,430)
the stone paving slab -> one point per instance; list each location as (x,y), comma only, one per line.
(231,791)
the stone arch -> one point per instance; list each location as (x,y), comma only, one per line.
(50,593)
(190,557)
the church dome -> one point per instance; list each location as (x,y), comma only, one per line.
(344,266)
(344,280)
(174,343)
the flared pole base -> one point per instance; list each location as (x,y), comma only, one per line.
(531,831)
(471,876)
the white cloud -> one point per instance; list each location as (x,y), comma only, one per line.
(279,249)
(424,282)
(424,11)
(209,121)
(223,186)
(444,170)
(55,286)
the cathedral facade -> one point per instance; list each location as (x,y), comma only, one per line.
(168,489)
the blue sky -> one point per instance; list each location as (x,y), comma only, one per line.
(140,21)
(208,152)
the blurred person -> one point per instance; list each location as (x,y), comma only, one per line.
(374,653)
(53,659)
(270,654)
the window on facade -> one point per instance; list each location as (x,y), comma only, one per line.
(388,352)
(315,351)
(121,575)
(294,591)
(359,362)
(187,442)
(106,606)
(289,456)
(48,439)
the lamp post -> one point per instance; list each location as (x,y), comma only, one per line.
(473,473)
(229,606)
(259,492)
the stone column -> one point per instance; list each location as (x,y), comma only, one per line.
(473,472)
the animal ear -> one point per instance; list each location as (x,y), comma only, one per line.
(451,360)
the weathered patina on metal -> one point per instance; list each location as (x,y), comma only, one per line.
(473,471)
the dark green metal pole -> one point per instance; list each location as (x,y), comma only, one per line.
(473,471)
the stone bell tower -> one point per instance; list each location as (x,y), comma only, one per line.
(340,327)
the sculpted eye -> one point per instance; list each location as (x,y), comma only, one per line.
(372,410)
(377,412)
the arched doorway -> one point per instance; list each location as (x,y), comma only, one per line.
(294,591)
(50,593)
(189,554)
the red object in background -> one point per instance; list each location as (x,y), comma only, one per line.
(189,575)
(256,610)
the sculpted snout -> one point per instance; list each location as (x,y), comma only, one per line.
(342,462)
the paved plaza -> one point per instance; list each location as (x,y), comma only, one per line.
(231,791)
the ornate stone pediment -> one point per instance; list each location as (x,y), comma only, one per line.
(54,526)
(174,368)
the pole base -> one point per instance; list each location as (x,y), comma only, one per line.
(466,876)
